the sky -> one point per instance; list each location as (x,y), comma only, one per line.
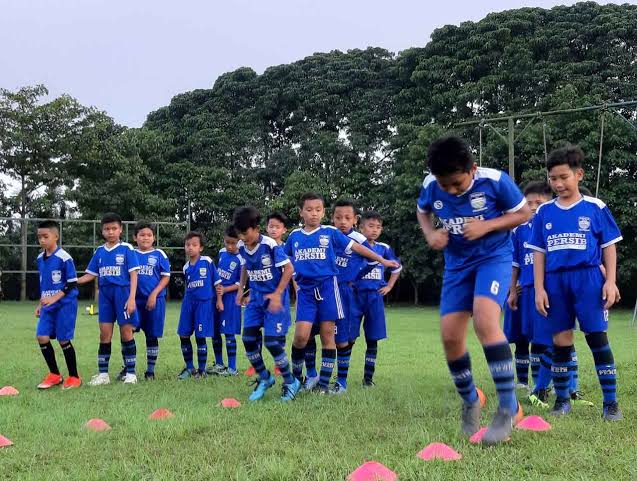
(130,57)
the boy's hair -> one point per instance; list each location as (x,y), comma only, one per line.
(144,224)
(49,224)
(538,187)
(231,231)
(245,218)
(111,217)
(310,196)
(585,191)
(194,233)
(277,215)
(345,203)
(570,155)
(449,155)
(371,215)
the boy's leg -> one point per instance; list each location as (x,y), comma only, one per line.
(535,356)
(562,346)
(152,353)
(606,371)
(231,350)
(217,341)
(573,372)
(310,357)
(328,354)
(249,338)
(274,344)
(202,354)
(522,362)
(375,329)
(186,351)
(104,353)
(129,349)
(306,312)
(69,357)
(371,353)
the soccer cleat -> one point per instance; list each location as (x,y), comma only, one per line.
(310,382)
(562,407)
(612,412)
(262,385)
(522,387)
(368,383)
(50,380)
(100,379)
(470,417)
(501,426)
(289,391)
(199,374)
(121,375)
(577,399)
(130,379)
(149,376)
(539,398)
(482,397)
(320,390)
(338,389)
(186,374)
(229,372)
(72,382)
(216,370)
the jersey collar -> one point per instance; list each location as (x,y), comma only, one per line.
(311,232)
(250,252)
(557,203)
(114,247)
(52,253)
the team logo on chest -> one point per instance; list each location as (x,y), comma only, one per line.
(266,261)
(478,201)
(548,226)
(324,240)
(438,204)
(233,264)
(119,259)
(56,276)
(203,271)
(152,260)
(584,223)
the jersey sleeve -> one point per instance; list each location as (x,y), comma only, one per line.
(341,241)
(214,275)
(537,242)
(280,256)
(164,266)
(132,261)
(608,232)
(69,270)
(424,199)
(93,267)
(515,240)
(242,260)
(236,273)
(509,199)
(391,255)
(287,247)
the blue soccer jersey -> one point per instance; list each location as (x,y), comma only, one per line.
(314,254)
(522,254)
(375,279)
(491,194)
(573,237)
(229,267)
(201,277)
(113,265)
(154,265)
(350,265)
(56,271)
(263,264)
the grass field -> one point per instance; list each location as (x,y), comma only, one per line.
(312,438)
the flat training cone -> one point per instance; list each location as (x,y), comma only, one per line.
(97,425)
(229,402)
(250,371)
(277,371)
(533,423)
(439,451)
(9,391)
(4,442)
(372,471)
(482,397)
(161,413)
(477,437)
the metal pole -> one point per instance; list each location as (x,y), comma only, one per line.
(634,314)
(480,158)
(601,150)
(23,259)
(511,140)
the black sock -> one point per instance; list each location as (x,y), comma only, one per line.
(69,356)
(49,356)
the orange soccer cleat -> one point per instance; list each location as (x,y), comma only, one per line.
(482,397)
(72,382)
(519,415)
(50,380)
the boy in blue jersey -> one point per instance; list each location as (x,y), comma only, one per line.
(269,271)
(228,321)
(152,280)
(477,208)
(313,250)
(57,309)
(571,236)
(370,291)
(203,293)
(115,266)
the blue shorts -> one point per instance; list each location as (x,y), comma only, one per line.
(196,317)
(319,304)
(490,278)
(370,311)
(346,329)
(513,328)
(534,326)
(274,324)
(112,300)
(152,322)
(576,294)
(228,321)
(57,321)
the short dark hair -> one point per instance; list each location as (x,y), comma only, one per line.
(310,196)
(245,218)
(231,231)
(371,215)
(345,203)
(570,155)
(49,224)
(144,224)
(195,233)
(538,187)
(111,217)
(585,191)
(449,155)
(278,215)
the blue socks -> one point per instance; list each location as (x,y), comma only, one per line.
(186,351)
(460,370)
(202,353)
(370,360)
(604,365)
(500,363)
(534,360)
(328,359)
(343,355)
(129,352)
(275,346)
(152,351)
(573,372)
(231,349)
(545,375)
(298,359)
(253,352)
(217,347)
(522,362)
(560,370)
(310,357)
(103,357)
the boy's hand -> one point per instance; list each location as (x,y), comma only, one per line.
(219,305)
(384,290)
(151,302)
(390,264)
(219,289)
(131,306)
(275,305)
(542,302)
(610,293)
(512,300)
(474,229)
(47,301)
(239,300)
(438,239)
(37,311)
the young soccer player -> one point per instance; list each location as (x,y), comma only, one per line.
(571,236)
(228,321)
(477,208)
(152,280)
(269,270)
(370,291)
(115,265)
(57,310)
(203,285)
(313,250)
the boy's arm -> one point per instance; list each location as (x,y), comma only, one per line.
(276,304)
(541,297)
(512,300)
(86,278)
(242,285)
(610,292)
(390,284)
(152,297)
(230,288)
(436,238)
(361,250)
(131,304)
(475,229)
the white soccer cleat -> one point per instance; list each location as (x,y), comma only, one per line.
(130,379)
(100,379)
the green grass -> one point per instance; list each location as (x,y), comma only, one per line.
(313,438)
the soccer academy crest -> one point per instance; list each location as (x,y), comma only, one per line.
(548,226)
(438,204)
(324,240)
(584,223)
(152,260)
(266,261)
(56,276)
(202,272)
(233,264)
(119,259)
(478,201)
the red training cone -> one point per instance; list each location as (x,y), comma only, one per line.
(439,451)
(161,413)
(533,423)
(229,403)
(250,371)
(372,471)
(477,437)
(97,425)
(9,391)
(4,442)
(277,371)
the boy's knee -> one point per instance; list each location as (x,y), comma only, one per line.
(564,338)
(43,339)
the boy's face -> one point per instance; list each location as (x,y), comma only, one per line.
(344,218)
(565,180)
(112,232)
(536,200)
(457,183)
(251,236)
(371,229)
(48,238)
(193,247)
(312,213)
(276,229)
(145,239)
(230,243)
